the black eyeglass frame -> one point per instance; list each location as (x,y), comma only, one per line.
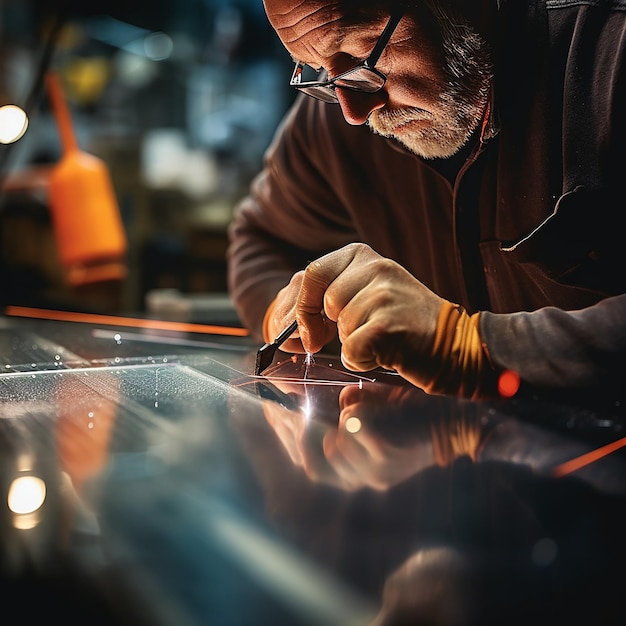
(325,89)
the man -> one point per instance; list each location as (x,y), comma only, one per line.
(448,202)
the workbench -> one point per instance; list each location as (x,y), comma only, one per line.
(149,478)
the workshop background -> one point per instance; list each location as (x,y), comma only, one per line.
(179,101)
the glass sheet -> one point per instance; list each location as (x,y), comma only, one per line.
(178,488)
(142,457)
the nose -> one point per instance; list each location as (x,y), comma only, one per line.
(357,106)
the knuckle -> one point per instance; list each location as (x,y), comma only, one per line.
(316,277)
(385,267)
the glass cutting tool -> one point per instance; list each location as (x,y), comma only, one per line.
(266,352)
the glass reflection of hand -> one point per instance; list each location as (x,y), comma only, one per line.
(300,436)
(372,435)
(363,450)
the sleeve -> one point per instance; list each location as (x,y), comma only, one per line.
(572,351)
(291,216)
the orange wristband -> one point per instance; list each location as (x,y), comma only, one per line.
(458,350)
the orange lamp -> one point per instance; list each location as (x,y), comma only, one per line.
(90,236)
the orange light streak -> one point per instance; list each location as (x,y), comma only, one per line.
(114,320)
(587,459)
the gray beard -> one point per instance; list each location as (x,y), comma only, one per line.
(462,102)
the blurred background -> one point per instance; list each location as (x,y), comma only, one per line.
(177,102)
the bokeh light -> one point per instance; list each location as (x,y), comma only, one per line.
(13,123)
(26,494)
(508,383)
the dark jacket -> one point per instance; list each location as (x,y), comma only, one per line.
(526,218)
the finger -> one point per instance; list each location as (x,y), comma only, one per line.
(347,476)
(359,349)
(318,276)
(351,395)
(351,459)
(358,443)
(282,311)
(293,345)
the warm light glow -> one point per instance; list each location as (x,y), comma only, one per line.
(13,123)
(26,494)
(353,425)
(508,383)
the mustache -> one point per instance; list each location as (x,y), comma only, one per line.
(387,121)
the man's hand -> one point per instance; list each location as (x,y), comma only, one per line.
(282,312)
(384,317)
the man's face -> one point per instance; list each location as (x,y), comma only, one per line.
(438,75)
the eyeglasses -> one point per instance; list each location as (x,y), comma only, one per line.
(364,77)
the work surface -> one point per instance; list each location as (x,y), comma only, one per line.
(149,479)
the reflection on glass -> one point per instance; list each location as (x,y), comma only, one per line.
(25,498)
(26,494)
(353,425)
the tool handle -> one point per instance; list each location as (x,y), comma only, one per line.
(61,112)
(285,334)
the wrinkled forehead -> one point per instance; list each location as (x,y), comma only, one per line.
(310,28)
(288,13)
